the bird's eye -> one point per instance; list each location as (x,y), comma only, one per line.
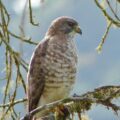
(70,24)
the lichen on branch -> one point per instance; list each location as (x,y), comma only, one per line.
(79,104)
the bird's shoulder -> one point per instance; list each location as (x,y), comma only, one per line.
(39,53)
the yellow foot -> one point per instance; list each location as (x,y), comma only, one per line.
(61,113)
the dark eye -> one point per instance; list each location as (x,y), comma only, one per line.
(71,24)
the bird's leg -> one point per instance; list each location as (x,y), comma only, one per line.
(61,113)
(79,116)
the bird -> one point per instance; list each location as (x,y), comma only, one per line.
(53,65)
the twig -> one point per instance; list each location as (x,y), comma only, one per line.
(115,22)
(112,10)
(118,1)
(23,39)
(99,48)
(31,16)
(21,78)
(13,96)
(14,103)
(5,11)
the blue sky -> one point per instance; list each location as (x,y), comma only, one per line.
(95,70)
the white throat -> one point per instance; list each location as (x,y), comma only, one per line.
(71,35)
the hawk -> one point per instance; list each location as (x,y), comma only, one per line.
(52,70)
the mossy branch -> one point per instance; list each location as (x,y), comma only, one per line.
(79,104)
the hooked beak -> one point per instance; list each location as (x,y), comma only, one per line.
(78,30)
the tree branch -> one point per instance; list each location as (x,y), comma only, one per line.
(112,10)
(14,103)
(79,104)
(99,48)
(115,22)
(31,16)
(110,21)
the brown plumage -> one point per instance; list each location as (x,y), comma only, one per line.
(52,69)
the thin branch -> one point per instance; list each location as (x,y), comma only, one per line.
(112,10)
(31,16)
(23,39)
(15,54)
(14,103)
(21,78)
(4,35)
(99,48)
(118,1)
(13,96)
(5,11)
(115,22)
(12,59)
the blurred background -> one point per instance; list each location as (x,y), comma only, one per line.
(94,69)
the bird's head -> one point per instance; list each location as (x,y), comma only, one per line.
(65,25)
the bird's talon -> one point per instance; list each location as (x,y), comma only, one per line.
(75,95)
(61,111)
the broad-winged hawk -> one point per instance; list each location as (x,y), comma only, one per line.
(52,70)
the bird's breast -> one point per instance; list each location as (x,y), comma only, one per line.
(60,71)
